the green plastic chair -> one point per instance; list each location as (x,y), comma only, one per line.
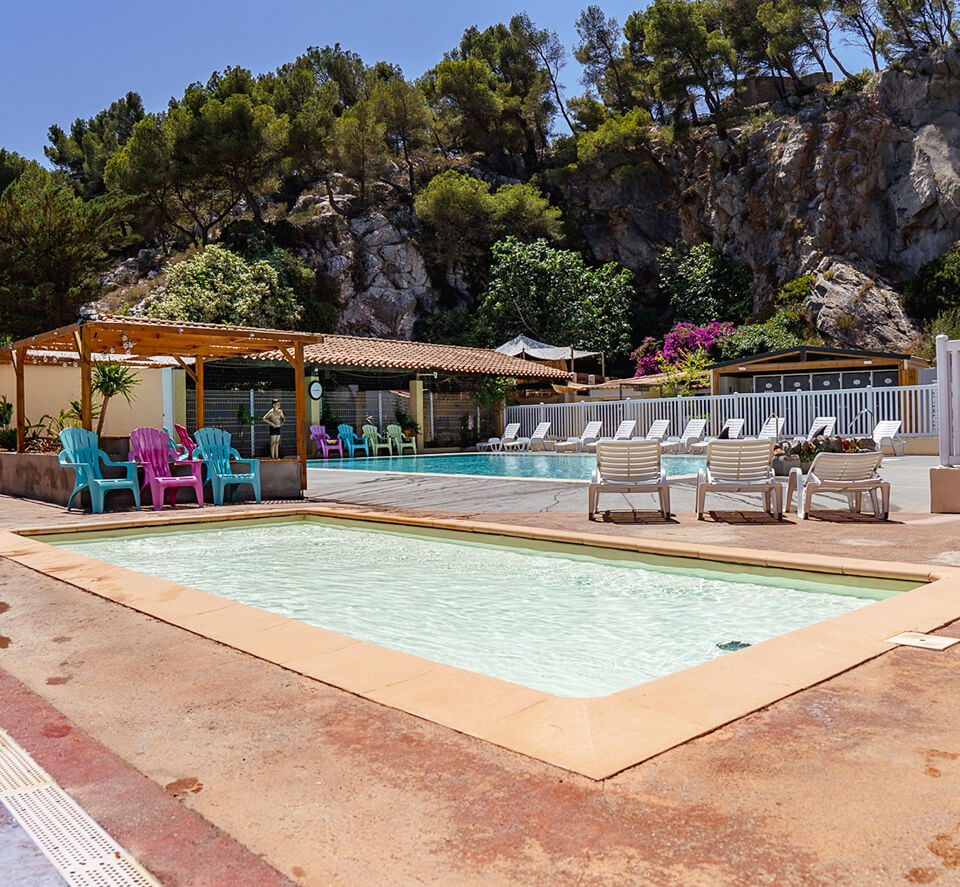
(375,441)
(398,439)
(213,445)
(82,453)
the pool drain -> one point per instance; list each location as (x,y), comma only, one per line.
(83,853)
(925,641)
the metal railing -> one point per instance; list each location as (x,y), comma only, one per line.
(856,410)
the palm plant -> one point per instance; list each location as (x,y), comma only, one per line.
(112,380)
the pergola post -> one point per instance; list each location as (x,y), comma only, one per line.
(86,393)
(19,357)
(198,379)
(299,384)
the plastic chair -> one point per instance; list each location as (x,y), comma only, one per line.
(325,444)
(185,441)
(351,441)
(214,447)
(151,448)
(396,438)
(82,453)
(374,440)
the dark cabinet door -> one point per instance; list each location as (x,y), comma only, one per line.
(886,378)
(765,384)
(826,381)
(856,380)
(796,383)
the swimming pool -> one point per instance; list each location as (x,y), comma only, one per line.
(572,466)
(543,616)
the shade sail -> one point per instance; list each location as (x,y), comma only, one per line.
(524,346)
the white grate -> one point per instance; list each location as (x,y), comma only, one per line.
(919,639)
(82,852)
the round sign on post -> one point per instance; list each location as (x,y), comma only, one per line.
(315,390)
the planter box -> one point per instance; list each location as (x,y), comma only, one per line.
(40,476)
(782,465)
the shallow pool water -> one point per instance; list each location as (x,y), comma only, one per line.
(569,466)
(568,624)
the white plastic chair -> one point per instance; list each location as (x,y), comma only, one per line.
(496,443)
(850,473)
(537,440)
(771,430)
(888,431)
(628,466)
(740,466)
(732,430)
(658,430)
(624,432)
(590,435)
(691,433)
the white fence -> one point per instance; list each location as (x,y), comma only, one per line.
(856,410)
(948,383)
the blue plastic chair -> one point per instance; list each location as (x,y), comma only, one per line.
(213,445)
(351,440)
(82,453)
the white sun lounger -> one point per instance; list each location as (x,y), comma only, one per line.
(624,432)
(732,430)
(771,430)
(888,431)
(658,430)
(628,466)
(850,473)
(537,440)
(496,443)
(739,466)
(822,425)
(590,434)
(691,433)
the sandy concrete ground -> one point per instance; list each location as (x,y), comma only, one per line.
(852,782)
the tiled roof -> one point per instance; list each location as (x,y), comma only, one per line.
(420,357)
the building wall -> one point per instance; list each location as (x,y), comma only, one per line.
(49,389)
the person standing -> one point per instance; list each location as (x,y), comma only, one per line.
(274,418)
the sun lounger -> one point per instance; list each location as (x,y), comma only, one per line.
(624,432)
(889,432)
(739,466)
(590,435)
(771,430)
(628,466)
(658,430)
(536,441)
(496,443)
(852,474)
(732,430)
(822,426)
(691,433)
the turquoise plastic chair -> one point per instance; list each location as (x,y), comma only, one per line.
(82,453)
(213,445)
(351,441)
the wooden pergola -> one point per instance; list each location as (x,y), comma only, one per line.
(144,342)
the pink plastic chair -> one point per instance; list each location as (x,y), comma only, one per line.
(151,449)
(325,444)
(185,441)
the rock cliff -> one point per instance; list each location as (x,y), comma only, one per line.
(861,189)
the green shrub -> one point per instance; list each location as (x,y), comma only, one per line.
(936,286)
(946,323)
(757,338)
(704,285)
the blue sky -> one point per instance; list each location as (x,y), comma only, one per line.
(68,60)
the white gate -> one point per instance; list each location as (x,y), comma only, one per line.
(948,385)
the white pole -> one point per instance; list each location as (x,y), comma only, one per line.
(167,398)
(946,405)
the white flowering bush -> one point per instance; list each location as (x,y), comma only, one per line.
(219,286)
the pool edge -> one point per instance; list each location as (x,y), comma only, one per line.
(595,737)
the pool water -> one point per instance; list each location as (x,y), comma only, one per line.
(554,620)
(571,466)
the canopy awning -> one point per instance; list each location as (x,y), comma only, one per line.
(524,346)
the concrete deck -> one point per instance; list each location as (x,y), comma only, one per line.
(847,783)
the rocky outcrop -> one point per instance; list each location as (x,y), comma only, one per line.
(867,185)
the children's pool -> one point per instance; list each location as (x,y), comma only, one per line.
(545,616)
(568,466)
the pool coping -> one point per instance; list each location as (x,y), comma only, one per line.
(595,737)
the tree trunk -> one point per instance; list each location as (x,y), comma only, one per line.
(254,206)
(103,415)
